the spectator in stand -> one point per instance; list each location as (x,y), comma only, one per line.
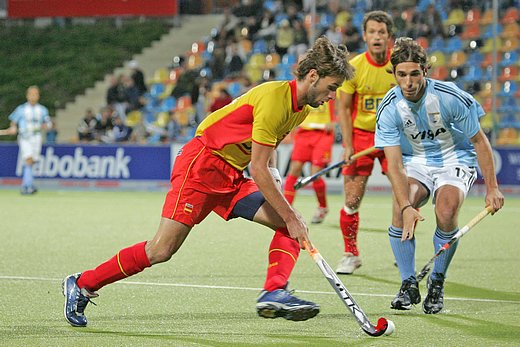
(117,97)
(138,77)
(104,122)
(87,127)
(222,99)
(132,95)
(301,39)
(51,134)
(234,62)
(121,132)
(266,26)
(284,37)
(334,34)
(427,24)
(187,82)
(218,64)
(399,22)
(352,36)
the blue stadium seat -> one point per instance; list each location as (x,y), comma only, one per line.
(260,46)
(474,74)
(454,44)
(436,44)
(167,104)
(156,90)
(508,89)
(509,58)
(488,32)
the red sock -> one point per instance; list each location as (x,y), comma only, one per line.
(319,188)
(283,253)
(127,262)
(349,224)
(288,190)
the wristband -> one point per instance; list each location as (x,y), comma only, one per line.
(276,174)
(404,208)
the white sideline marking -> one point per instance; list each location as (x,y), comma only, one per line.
(23,278)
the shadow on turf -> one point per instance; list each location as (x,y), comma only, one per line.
(476,327)
(458,289)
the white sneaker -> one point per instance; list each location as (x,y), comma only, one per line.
(348,264)
(319,215)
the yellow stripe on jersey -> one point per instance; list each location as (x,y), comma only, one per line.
(369,86)
(319,117)
(265,115)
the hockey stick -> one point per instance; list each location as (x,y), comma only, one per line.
(384,326)
(454,239)
(303,182)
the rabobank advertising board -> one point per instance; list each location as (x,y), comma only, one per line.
(92,162)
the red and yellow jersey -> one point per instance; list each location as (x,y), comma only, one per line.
(319,117)
(369,86)
(265,115)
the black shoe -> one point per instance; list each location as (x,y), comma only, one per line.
(408,295)
(434,301)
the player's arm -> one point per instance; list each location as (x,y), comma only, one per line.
(399,180)
(12,130)
(485,161)
(261,160)
(343,108)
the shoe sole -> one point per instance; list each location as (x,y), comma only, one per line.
(431,310)
(64,291)
(293,314)
(401,307)
(339,272)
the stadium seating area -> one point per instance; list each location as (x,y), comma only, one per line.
(461,53)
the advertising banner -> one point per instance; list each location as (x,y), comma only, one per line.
(101,162)
(90,8)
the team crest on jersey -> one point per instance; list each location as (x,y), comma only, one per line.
(188,208)
(179,152)
(435,117)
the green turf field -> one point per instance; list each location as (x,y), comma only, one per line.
(205,296)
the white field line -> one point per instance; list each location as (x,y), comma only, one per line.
(202,286)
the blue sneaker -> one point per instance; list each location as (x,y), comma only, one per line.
(281,303)
(76,299)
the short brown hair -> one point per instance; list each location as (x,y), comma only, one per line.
(380,17)
(407,49)
(327,59)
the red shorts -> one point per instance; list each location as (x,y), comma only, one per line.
(363,166)
(313,146)
(201,183)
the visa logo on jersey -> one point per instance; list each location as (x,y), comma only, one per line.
(79,165)
(428,134)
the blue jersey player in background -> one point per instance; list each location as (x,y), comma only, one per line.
(27,120)
(431,136)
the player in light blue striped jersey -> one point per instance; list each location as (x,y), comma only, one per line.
(431,136)
(27,120)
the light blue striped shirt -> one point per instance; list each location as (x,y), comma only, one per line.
(29,119)
(433,131)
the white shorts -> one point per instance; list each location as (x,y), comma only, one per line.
(433,178)
(30,147)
